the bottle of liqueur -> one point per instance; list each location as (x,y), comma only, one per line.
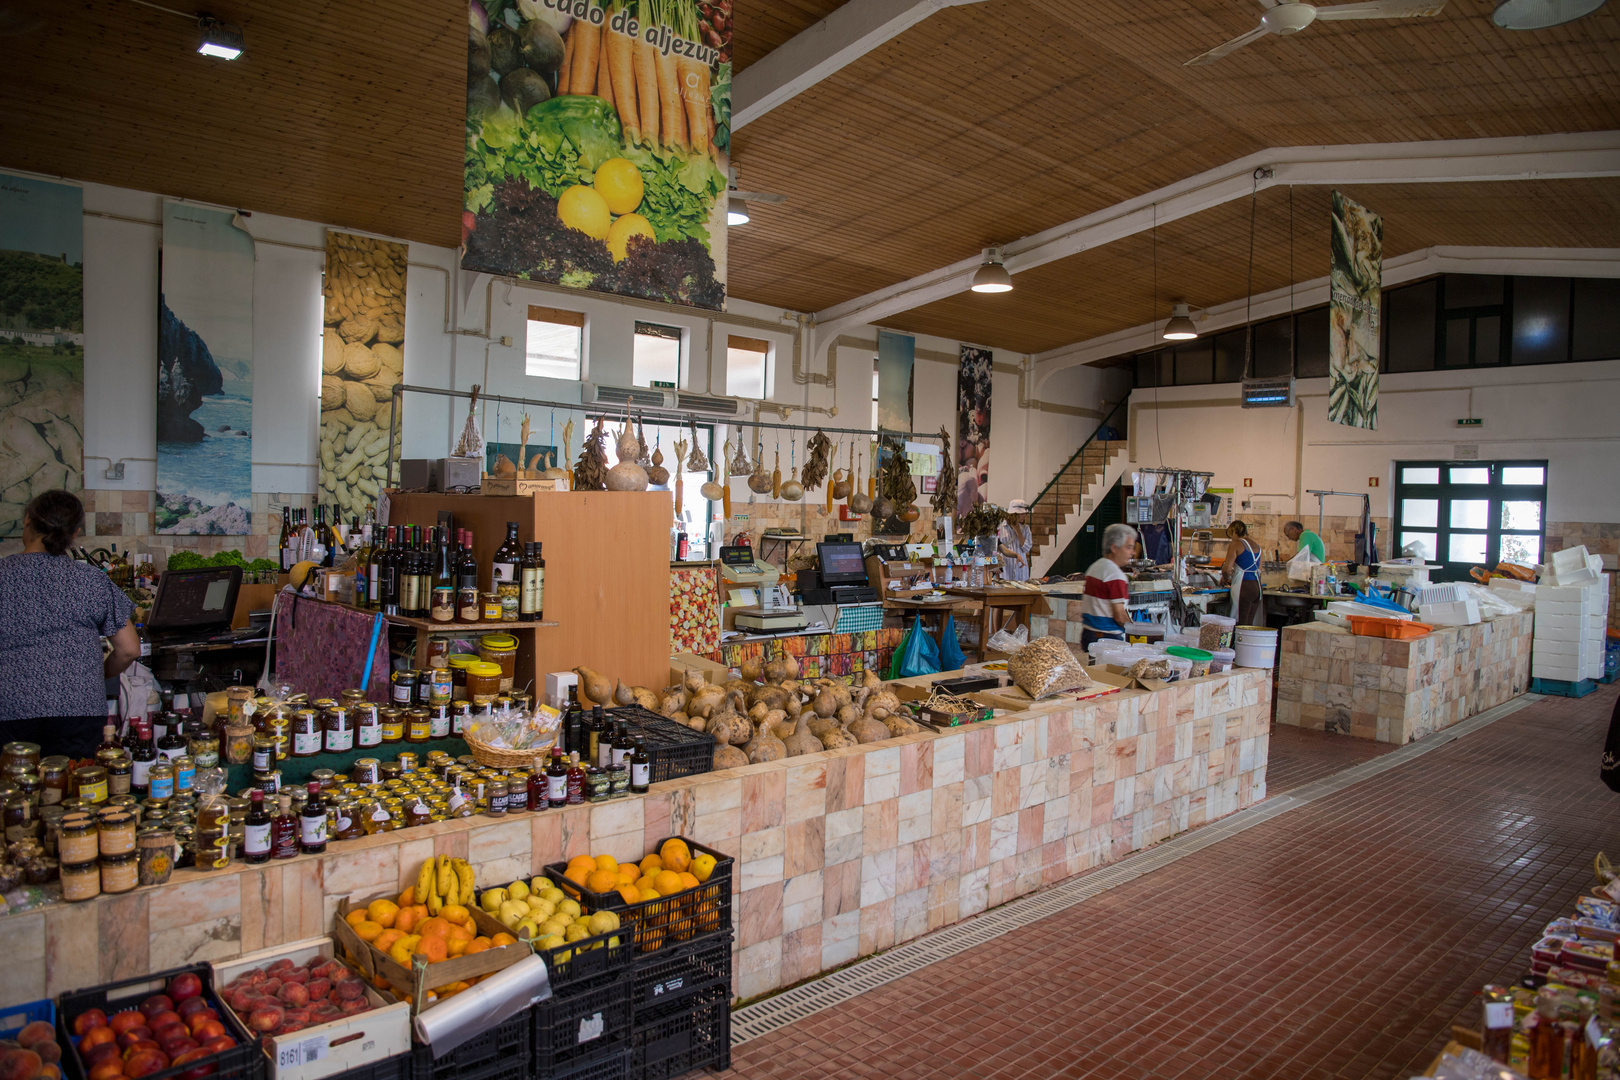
(640,769)
(527,592)
(312,822)
(557,779)
(284,544)
(469,606)
(256,830)
(443,603)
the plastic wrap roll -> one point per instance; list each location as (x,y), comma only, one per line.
(500,997)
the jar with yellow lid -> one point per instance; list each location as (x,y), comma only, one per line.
(308,735)
(483,682)
(458,674)
(393,724)
(367,724)
(91,783)
(499,649)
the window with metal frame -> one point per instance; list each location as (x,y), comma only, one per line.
(1471,513)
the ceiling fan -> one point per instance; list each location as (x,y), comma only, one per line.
(1291,16)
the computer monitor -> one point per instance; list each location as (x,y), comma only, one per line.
(195,598)
(841,564)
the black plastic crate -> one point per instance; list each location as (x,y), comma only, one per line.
(397,1067)
(587,961)
(692,1033)
(675,750)
(620,1066)
(245,1059)
(669,920)
(501,1053)
(579,1026)
(673,973)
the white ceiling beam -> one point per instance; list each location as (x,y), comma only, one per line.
(805,59)
(1544,157)
(1399,269)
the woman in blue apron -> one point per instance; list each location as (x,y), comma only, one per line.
(1242,571)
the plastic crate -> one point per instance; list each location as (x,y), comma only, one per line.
(692,1033)
(13,1018)
(244,1061)
(673,973)
(668,920)
(397,1067)
(1563,687)
(615,1067)
(585,962)
(674,750)
(1398,629)
(581,1026)
(501,1053)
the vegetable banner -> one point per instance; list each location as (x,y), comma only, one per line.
(41,343)
(598,139)
(972,428)
(205,375)
(1355,283)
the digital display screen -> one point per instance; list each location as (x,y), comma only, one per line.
(842,564)
(204,597)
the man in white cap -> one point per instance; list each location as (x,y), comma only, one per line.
(1015,541)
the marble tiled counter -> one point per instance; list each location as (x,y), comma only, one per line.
(1397,691)
(839,854)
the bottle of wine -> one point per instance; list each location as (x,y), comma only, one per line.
(284,545)
(623,745)
(143,754)
(640,768)
(383,569)
(312,823)
(503,576)
(443,603)
(468,606)
(424,572)
(365,571)
(527,591)
(576,780)
(604,737)
(557,780)
(256,830)
(283,830)
(539,581)
(172,744)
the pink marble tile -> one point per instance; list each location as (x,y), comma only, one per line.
(916,767)
(574,835)
(846,782)
(805,847)
(880,826)
(1004,792)
(801,954)
(122,935)
(877,927)
(841,889)
(980,754)
(545,840)
(946,810)
(1102,802)
(763,798)
(761,914)
(1031,821)
(911,866)
(72,954)
(975,846)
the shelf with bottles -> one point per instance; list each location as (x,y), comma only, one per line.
(487,626)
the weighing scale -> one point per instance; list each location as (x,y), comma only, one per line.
(746,578)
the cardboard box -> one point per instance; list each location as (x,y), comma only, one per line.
(557,684)
(681,663)
(331,1048)
(373,963)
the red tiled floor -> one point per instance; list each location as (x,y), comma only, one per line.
(1338,941)
(1298,756)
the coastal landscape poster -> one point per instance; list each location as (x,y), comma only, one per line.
(41,342)
(205,374)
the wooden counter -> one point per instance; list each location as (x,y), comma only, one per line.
(839,854)
(1397,691)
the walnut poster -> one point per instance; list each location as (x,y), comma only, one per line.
(362,360)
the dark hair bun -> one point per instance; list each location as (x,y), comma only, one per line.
(57,517)
(1238,529)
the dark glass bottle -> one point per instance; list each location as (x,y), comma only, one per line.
(640,768)
(528,594)
(312,822)
(469,605)
(601,738)
(283,830)
(172,744)
(256,830)
(539,581)
(576,780)
(109,739)
(573,724)
(504,567)
(557,779)
(623,744)
(143,755)
(443,583)
(387,571)
(535,791)
(284,544)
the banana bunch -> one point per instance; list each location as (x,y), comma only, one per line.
(443,882)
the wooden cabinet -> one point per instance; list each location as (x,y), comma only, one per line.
(607,573)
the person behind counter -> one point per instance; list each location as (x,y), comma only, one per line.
(1103,613)
(57,610)
(1306,540)
(1242,569)
(1015,541)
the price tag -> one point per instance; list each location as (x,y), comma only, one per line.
(590,1027)
(291,1054)
(1498,1014)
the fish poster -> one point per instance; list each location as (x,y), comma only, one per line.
(598,145)
(972,427)
(41,343)
(362,360)
(896,361)
(1355,284)
(205,374)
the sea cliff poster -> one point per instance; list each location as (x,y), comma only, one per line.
(598,140)
(896,360)
(972,427)
(41,343)
(1356,281)
(205,374)
(362,360)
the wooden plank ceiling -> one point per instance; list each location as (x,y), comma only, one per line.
(1204,259)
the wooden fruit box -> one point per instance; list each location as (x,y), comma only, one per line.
(509,485)
(326,1049)
(412,983)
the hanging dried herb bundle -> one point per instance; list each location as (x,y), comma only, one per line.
(983,520)
(944,500)
(815,464)
(894,476)
(590,472)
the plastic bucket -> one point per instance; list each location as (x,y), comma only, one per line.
(1255,647)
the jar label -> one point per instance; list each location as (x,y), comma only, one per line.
(306,744)
(370,734)
(403,693)
(261,757)
(206,759)
(256,839)
(171,753)
(162,787)
(312,830)
(140,773)
(96,792)
(444,604)
(50,796)
(343,823)
(339,742)
(183,778)
(439,727)
(620,756)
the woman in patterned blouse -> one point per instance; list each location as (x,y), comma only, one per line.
(55,613)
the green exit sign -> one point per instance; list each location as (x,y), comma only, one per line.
(659,384)
(1472,421)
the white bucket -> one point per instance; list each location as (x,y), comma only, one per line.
(1255,647)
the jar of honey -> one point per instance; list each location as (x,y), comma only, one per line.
(308,736)
(53,775)
(419,725)
(119,873)
(367,723)
(483,682)
(116,832)
(393,724)
(81,880)
(338,725)
(91,782)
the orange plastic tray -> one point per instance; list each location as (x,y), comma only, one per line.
(1399,629)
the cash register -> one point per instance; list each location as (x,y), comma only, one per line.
(843,573)
(756,585)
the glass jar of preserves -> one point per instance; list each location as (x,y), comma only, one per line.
(417,811)
(324,777)
(117,832)
(280,731)
(440,687)
(53,777)
(495,798)
(458,674)
(154,854)
(407,762)
(307,734)
(418,725)
(483,682)
(393,724)
(367,770)
(204,749)
(264,753)
(339,728)
(367,724)
(500,649)
(460,713)
(21,818)
(27,782)
(91,783)
(50,826)
(598,785)
(214,814)
(119,873)
(238,744)
(212,848)
(81,881)
(160,781)
(438,655)
(268,782)
(185,771)
(439,721)
(404,687)
(492,607)
(25,754)
(349,825)
(119,768)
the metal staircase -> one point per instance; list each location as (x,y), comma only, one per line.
(1086,474)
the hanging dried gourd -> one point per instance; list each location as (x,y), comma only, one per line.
(697,463)
(644,459)
(739,461)
(944,500)
(815,460)
(590,472)
(759,481)
(657,475)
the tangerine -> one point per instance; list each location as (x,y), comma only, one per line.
(434,948)
(667,882)
(476,945)
(606,862)
(675,854)
(502,939)
(382,912)
(630,894)
(437,927)
(603,880)
(578,874)
(368,930)
(355,917)
(386,939)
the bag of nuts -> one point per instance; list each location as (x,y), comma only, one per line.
(1045,667)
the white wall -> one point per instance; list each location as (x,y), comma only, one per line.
(1568,414)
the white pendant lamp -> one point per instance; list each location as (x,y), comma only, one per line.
(1540,14)
(991,276)
(1180,327)
(736,211)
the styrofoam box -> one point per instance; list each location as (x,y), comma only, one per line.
(1555,607)
(1545,646)
(1451,613)
(336,1047)
(1546,623)
(1512,584)
(1561,674)
(1569,558)
(1560,594)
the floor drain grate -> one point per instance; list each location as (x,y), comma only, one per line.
(790,1006)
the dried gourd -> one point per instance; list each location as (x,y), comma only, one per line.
(838,738)
(594,689)
(825,704)
(867,729)
(801,741)
(673,701)
(778,721)
(644,698)
(765,746)
(693,680)
(727,756)
(622,694)
(752,669)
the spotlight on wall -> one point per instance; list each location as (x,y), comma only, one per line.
(218,40)
(1180,327)
(991,276)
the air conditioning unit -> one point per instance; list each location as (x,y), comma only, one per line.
(643,397)
(1268,393)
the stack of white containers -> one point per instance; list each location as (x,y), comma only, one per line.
(1572,610)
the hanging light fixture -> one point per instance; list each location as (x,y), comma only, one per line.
(1180,327)
(1540,14)
(218,40)
(991,276)
(736,211)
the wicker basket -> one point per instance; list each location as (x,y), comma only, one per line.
(500,758)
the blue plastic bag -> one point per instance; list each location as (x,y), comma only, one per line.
(919,655)
(951,657)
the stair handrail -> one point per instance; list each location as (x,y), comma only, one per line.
(1051,485)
